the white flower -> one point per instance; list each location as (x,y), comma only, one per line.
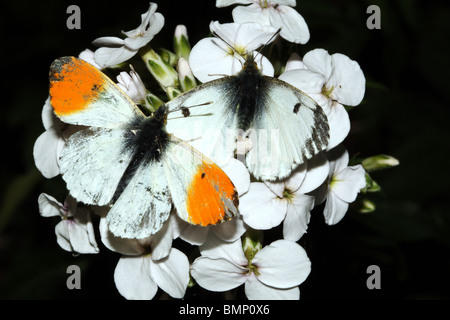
(332,81)
(272,273)
(276,13)
(88,56)
(148,263)
(211,58)
(49,144)
(267,204)
(115,50)
(132,85)
(227,230)
(75,232)
(343,185)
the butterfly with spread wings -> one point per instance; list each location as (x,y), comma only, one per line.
(285,126)
(130,162)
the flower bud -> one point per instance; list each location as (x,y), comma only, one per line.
(161,70)
(252,243)
(132,85)
(181,42)
(378,162)
(366,206)
(152,102)
(185,76)
(371,185)
(172,92)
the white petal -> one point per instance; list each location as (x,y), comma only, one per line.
(88,56)
(238,174)
(230,230)
(338,158)
(297,217)
(291,3)
(161,243)
(81,232)
(292,183)
(145,21)
(256,290)
(210,59)
(156,24)
(172,273)
(63,236)
(217,248)
(339,123)
(108,42)
(49,206)
(195,235)
(316,174)
(225,3)
(294,28)
(133,280)
(217,274)
(45,152)
(319,60)
(49,119)
(277,187)
(294,62)
(128,247)
(348,183)
(252,36)
(334,209)
(308,81)
(295,180)
(282,264)
(261,208)
(251,13)
(347,79)
(107,57)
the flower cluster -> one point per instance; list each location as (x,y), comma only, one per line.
(233,253)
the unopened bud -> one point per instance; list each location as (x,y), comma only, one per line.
(161,70)
(185,76)
(379,162)
(181,42)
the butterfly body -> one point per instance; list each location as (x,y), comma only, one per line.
(249,85)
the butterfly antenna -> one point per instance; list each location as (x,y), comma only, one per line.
(229,45)
(270,40)
(185,110)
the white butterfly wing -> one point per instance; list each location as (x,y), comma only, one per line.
(144,204)
(210,126)
(92,163)
(290,129)
(201,192)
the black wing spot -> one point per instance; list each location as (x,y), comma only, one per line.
(297,107)
(203,175)
(185,111)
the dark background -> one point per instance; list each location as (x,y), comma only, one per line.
(405,114)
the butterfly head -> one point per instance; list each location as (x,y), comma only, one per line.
(250,63)
(160,114)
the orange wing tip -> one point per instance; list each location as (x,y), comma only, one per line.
(212,197)
(74,83)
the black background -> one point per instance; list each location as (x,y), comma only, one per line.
(405,114)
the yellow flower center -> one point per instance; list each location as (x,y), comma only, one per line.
(327,91)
